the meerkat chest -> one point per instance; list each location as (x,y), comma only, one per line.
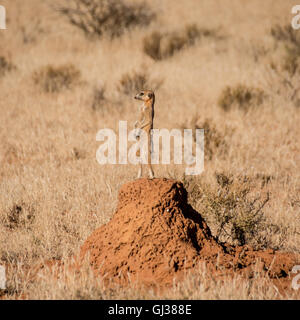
(144,107)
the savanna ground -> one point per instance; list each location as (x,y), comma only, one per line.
(231,67)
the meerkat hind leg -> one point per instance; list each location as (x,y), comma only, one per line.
(140,172)
(151,174)
(150,151)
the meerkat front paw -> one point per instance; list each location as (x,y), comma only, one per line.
(137,133)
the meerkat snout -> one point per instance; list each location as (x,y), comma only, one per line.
(140,96)
(137,96)
(145,95)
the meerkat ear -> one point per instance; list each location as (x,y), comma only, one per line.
(150,95)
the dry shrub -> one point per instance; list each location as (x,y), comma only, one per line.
(286,73)
(78,153)
(233,211)
(98,98)
(291,62)
(20,215)
(240,96)
(258,50)
(30,32)
(111,17)
(264,179)
(214,141)
(286,34)
(55,79)
(291,40)
(131,83)
(5,66)
(284,78)
(163,45)
(151,45)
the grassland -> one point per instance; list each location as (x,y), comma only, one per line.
(229,66)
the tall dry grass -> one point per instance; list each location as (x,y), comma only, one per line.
(53,192)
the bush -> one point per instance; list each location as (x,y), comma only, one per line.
(131,83)
(286,83)
(284,77)
(215,144)
(286,34)
(55,79)
(163,45)
(241,96)
(30,32)
(151,45)
(5,66)
(234,214)
(111,17)
(19,215)
(98,98)
(291,62)
(291,40)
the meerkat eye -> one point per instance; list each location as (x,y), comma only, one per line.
(142,93)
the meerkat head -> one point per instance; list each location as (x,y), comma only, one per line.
(146,96)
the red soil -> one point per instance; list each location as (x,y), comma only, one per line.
(155,236)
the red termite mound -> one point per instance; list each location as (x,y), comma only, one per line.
(156,236)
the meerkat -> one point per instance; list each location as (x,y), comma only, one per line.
(145,122)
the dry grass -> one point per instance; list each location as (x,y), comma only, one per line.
(53,192)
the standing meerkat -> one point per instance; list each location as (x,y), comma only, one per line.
(145,122)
